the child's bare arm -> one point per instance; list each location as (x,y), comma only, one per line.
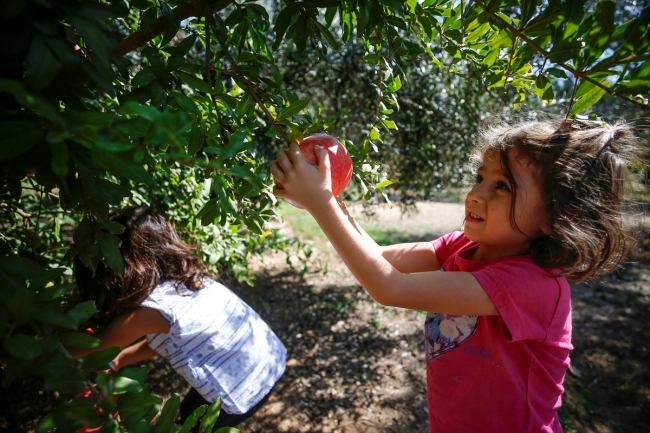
(133,354)
(125,329)
(445,292)
(407,258)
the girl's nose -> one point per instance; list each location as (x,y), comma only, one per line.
(476,194)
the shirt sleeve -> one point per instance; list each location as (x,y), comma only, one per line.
(528,298)
(443,245)
(156,301)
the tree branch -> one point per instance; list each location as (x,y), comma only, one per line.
(139,38)
(577,74)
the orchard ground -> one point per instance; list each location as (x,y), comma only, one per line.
(355,366)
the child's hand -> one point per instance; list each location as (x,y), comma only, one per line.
(115,365)
(301,182)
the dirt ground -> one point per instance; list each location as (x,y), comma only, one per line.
(354,366)
(357,367)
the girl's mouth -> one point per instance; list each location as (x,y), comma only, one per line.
(473,217)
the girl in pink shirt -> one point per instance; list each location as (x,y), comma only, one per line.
(546,206)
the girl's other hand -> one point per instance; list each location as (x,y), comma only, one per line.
(115,365)
(300,181)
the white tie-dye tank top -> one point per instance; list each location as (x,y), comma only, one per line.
(219,344)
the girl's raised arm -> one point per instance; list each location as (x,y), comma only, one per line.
(388,284)
(407,258)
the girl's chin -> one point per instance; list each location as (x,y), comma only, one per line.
(469,235)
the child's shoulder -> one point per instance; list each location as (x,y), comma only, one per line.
(451,243)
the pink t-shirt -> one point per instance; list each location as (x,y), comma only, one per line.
(499,373)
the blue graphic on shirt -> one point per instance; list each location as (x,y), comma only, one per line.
(470,350)
(445,332)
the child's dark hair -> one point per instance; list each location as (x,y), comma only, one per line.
(583,169)
(152,252)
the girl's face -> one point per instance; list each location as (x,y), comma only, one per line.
(488,204)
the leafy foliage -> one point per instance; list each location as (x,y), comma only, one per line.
(181,104)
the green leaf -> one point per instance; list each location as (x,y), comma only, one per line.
(157,65)
(148,19)
(134,406)
(136,373)
(209,212)
(543,88)
(195,82)
(389,124)
(292,109)
(244,105)
(184,102)
(120,164)
(126,384)
(396,5)
(565,50)
(327,34)
(98,41)
(236,144)
(210,418)
(282,23)
(53,292)
(110,246)
(17,137)
(144,77)
(79,339)
(82,311)
(168,414)
(172,23)
(100,360)
(22,346)
(145,111)
(477,34)
(394,85)
(385,183)
(589,95)
(557,72)
(193,419)
(83,410)
(186,45)
(221,4)
(37,103)
(197,138)
(601,31)
(59,161)
(54,316)
(42,66)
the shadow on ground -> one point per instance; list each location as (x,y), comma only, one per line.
(608,386)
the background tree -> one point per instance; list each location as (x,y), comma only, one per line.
(181,104)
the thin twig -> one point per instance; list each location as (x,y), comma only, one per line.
(572,100)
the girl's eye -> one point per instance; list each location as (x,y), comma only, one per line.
(503,186)
(478,178)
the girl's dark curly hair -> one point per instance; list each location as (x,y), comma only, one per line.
(152,252)
(583,169)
